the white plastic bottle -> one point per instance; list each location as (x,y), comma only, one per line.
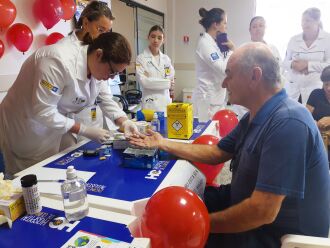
(74,196)
(31,194)
(155,123)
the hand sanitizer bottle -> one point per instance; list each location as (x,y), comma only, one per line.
(74,196)
(155,124)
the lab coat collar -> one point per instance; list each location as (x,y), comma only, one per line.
(81,64)
(210,38)
(320,36)
(150,56)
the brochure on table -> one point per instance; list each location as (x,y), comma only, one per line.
(50,229)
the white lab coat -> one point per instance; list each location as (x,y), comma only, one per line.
(318,57)
(210,72)
(154,79)
(51,85)
(92,115)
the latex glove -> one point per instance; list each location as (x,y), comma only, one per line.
(93,133)
(130,129)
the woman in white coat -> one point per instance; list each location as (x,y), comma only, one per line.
(307,55)
(257,30)
(155,73)
(95,19)
(53,83)
(211,63)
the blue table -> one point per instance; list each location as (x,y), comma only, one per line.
(118,189)
(49,229)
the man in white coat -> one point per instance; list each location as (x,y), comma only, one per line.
(53,83)
(155,73)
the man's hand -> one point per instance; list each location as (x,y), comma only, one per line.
(93,133)
(152,140)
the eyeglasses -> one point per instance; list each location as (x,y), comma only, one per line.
(114,73)
(102,30)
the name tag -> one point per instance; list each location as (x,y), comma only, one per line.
(47,85)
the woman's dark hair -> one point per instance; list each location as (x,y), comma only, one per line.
(156,28)
(115,48)
(325,75)
(208,17)
(256,18)
(93,11)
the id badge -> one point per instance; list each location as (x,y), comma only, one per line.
(93,114)
(167,71)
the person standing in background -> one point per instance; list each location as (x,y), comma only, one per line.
(211,63)
(307,55)
(155,73)
(257,30)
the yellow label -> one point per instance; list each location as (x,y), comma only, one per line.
(93,114)
(48,85)
(167,71)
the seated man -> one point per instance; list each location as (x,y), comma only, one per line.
(280,181)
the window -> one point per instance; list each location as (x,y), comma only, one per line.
(283,18)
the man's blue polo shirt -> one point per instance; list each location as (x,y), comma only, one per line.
(281,151)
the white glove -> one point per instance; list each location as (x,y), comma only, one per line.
(93,133)
(130,128)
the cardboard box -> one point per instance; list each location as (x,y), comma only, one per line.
(14,207)
(140,158)
(179,120)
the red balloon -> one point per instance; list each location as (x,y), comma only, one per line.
(49,12)
(175,217)
(20,35)
(2,48)
(227,121)
(69,8)
(53,38)
(7,13)
(210,171)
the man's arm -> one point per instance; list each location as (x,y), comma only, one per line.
(259,209)
(209,154)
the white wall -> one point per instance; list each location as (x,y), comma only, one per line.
(124,24)
(159,5)
(11,61)
(181,18)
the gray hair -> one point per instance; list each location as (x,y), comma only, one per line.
(258,54)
